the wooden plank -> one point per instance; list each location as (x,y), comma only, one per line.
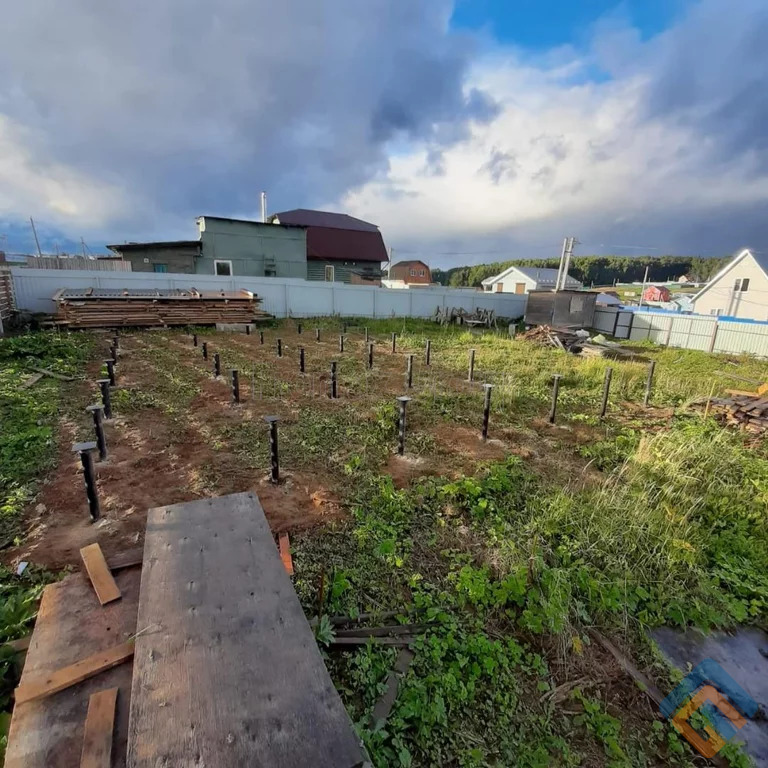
(285,553)
(31,380)
(75,673)
(384,705)
(98,573)
(48,732)
(396,641)
(20,645)
(99,730)
(227,672)
(127,559)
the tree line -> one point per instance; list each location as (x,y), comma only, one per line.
(595,270)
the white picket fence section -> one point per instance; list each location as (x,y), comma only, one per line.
(281,297)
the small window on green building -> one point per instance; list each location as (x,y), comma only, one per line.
(159,267)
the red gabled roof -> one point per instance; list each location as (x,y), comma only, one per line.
(331,244)
(306,218)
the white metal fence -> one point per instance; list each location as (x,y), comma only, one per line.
(280,296)
(702,332)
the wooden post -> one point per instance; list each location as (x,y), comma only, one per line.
(649,383)
(471,376)
(606,390)
(555,392)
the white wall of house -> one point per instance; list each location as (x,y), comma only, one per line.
(729,293)
(512,280)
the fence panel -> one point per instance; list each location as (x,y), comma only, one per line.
(281,296)
(742,338)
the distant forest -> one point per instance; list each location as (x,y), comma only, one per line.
(597,270)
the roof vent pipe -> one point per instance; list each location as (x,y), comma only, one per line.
(263,207)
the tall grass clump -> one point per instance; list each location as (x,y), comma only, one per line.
(677,534)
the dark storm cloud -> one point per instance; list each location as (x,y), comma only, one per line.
(194,107)
(711,74)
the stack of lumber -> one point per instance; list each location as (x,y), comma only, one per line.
(108,308)
(569,340)
(748,412)
(562,338)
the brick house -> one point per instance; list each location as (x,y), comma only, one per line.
(411,272)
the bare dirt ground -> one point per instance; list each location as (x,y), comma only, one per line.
(157,458)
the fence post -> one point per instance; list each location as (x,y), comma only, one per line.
(649,383)
(715,331)
(410,372)
(471,376)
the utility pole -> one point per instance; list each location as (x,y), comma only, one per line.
(82,245)
(389,265)
(570,243)
(34,232)
(645,280)
(560,268)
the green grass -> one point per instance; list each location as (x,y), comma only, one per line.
(29,418)
(674,535)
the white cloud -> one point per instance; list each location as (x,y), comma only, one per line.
(567,154)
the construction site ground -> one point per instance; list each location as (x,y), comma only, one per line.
(438,533)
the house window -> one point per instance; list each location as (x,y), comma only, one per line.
(413,273)
(159,267)
(421,273)
(223,268)
(745,284)
(329,273)
(519,288)
(716,312)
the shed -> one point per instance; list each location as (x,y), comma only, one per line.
(561,308)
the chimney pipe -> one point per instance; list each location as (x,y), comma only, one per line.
(264,207)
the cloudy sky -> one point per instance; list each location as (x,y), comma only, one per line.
(469,131)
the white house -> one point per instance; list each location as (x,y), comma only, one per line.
(526,279)
(739,289)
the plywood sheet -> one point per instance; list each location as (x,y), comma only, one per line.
(227,671)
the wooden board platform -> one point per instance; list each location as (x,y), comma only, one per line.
(71,625)
(227,672)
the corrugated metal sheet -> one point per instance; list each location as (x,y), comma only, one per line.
(742,338)
(34,289)
(573,308)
